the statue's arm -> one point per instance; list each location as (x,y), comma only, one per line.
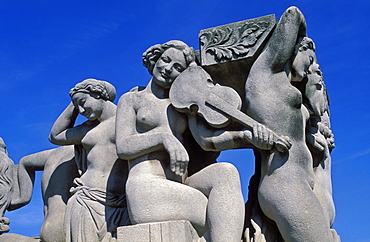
(211,139)
(280,48)
(131,144)
(24,178)
(63,132)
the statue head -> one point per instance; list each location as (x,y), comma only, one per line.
(2,146)
(89,96)
(104,89)
(166,61)
(304,55)
(316,97)
(313,89)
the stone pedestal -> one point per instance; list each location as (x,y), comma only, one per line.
(180,231)
(10,237)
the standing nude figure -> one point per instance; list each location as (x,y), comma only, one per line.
(319,137)
(285,192)
(98,202)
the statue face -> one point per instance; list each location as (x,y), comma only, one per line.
(88,105)
(171,63)
(301,62)
(315,91)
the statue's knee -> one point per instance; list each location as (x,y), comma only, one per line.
(227,173)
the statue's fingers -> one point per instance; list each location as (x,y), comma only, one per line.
(255,133)
(259,132)
(271,139)
(265,134)
(183,167)
(172,160)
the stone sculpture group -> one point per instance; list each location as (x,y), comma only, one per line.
(146,170)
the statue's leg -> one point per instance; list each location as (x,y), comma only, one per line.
(323,188)
(156,199)
(289,200)
(220,182)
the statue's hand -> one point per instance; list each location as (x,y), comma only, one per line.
(4,225)
(315,138)
(328,134)
(262,137)
(179,158)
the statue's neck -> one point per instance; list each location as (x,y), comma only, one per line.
(157,90)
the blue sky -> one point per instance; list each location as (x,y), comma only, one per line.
(49,46)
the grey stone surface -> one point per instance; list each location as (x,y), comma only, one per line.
(179,231)
(18,238)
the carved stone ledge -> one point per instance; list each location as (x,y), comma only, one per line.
(227,52)
(234,41)
(10,237)
(180,231)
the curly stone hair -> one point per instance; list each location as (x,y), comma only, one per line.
(102,88)
(304,44)
(151,55)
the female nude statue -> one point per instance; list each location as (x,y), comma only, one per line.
(149,133)
(286,190)
(98,204)
(319,137)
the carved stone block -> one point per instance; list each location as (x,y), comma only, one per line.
(234,41)
(227,52)
(180,231)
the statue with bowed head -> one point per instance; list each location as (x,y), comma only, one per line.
(98,204)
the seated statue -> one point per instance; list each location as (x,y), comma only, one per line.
(149,134)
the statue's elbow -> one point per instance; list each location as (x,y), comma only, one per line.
(52,139)
(293,10)
(18,203)
(123,153)
(207,144)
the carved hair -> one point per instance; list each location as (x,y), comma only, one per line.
(151,55)
(305,44)
(102,88)
(2,143)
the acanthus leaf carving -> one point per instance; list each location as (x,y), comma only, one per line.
(226,43)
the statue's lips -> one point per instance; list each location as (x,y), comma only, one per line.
(165,76)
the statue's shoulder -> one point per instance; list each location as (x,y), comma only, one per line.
(137,89)
(133,95)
